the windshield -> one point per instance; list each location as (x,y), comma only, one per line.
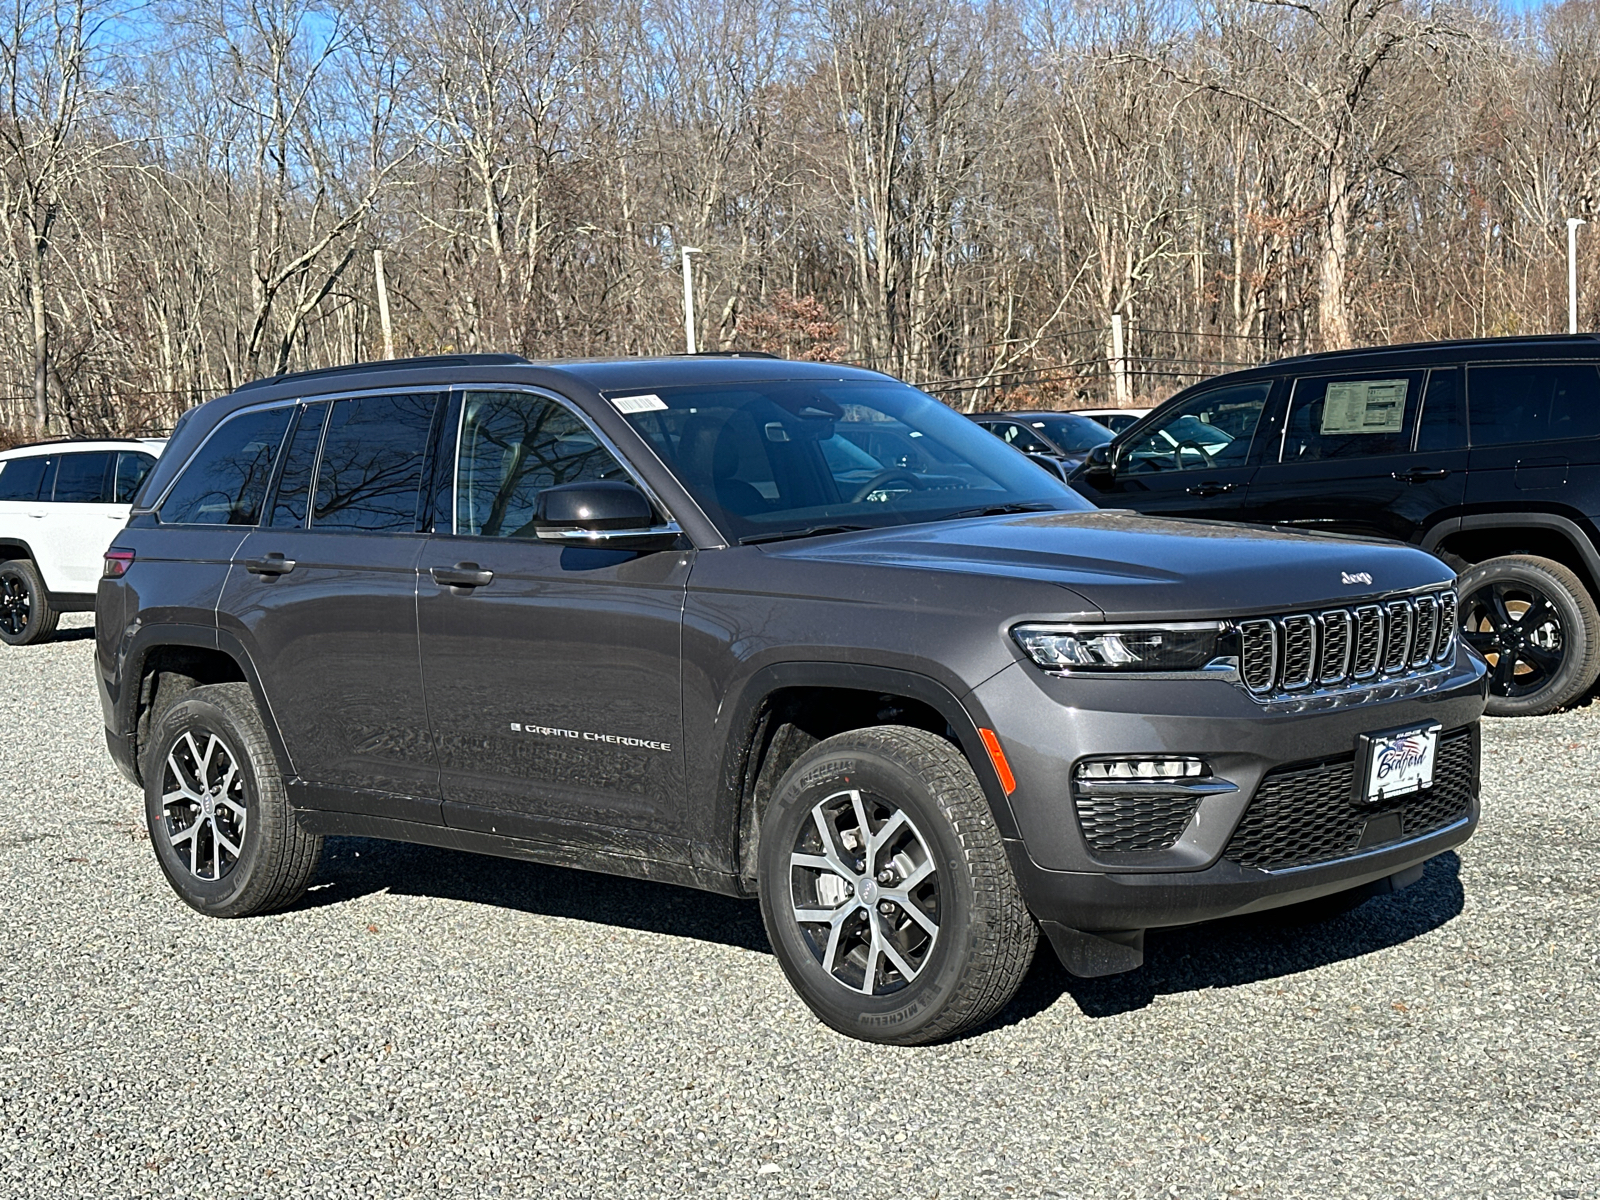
(1075,435)
(769,458)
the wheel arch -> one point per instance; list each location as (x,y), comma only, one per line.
(1545,535)
(786,708)
(164,662)
(15,548)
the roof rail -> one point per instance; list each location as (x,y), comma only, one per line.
(1443,344)
(391,364)
(70,439)
(727,354)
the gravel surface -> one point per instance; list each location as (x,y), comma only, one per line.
(432,1023)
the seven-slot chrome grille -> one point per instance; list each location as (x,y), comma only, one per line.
(1341,648)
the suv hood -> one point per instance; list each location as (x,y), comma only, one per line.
(1132,566)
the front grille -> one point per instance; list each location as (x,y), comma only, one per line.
(1304,814)
(1341,648)
(1125,824)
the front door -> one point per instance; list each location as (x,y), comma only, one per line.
(1194,461)
(1379,454)
(324,596)
(551,671)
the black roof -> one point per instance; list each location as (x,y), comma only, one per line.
(1525,346)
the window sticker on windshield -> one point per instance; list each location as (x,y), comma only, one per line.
(628,405)
(1367,406)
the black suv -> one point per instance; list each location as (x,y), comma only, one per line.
(673,619)
(1486,453)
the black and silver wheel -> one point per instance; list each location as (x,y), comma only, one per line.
(886,891)
(215,806)
(25,612)
(1537,627)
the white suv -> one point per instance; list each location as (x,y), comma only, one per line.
(61,503)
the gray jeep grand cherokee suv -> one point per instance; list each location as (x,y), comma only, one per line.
(677,619)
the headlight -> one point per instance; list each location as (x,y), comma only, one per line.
(1190,646)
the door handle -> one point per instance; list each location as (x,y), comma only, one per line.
(462,575)
(271,564)
(1421,474)
(1211,489)
(38,514)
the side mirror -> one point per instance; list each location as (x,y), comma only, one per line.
(1098,460)
(600,514)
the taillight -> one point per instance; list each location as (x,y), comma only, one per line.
(116,564)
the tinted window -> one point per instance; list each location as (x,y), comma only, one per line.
(299,463)
(132,468)
(1534,403)
(1075,435)
(1014,434)
(762,458)
(513,446)
(1444,422)
(1210,430)
(371,467)
(84,478)
(20,477)
(1351,416)
(227,480)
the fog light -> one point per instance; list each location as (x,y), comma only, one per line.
(1098,770)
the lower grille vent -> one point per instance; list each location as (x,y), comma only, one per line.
(1304,814)
(1127,824)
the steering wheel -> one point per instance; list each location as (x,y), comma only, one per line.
(882,477)
(1191,444)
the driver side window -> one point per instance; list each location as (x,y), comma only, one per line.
(1206,431)
(513,446)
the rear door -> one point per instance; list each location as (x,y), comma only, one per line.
(1195,460)
(22,516)
(1375,453)
(80,521)
(324,596)
(1535,437)
(553,684)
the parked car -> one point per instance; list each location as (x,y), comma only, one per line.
(1114,419)
(668,619)
(1057,441)
(61,503)
(1484,452)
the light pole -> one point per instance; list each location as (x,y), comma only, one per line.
(1572,272)
(688,298)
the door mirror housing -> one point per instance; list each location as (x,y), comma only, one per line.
(1098,461)
(603,513)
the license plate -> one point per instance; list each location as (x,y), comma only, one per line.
(1397,762)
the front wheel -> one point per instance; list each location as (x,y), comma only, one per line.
(886,892)
(25,612)
(1537,627)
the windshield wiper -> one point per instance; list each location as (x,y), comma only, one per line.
(810,531)
(1000,510)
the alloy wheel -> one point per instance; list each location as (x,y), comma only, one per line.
(16,605)
(864,890)
(203,799)
(1518,631)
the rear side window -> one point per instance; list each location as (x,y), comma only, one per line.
(85,478)
(299,462)
(132,468)
(1534,403)
(20,477)
(227,480)
(1020,436)
(372,459)
(1352,416)
(513,446)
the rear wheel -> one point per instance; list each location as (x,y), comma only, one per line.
(886,891)
(215,805)
(1537,627)
(25,612)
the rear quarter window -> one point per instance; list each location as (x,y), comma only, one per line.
(227,480)
(1533,402)
(20,477)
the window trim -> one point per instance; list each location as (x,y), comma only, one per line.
(463,390)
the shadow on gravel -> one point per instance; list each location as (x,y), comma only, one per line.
(354,867)
(78,633)
(1247,949)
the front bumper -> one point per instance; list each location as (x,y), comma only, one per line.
(1046,723)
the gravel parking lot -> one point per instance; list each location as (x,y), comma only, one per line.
(432,1023)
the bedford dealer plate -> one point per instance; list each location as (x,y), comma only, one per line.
(1396,762)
